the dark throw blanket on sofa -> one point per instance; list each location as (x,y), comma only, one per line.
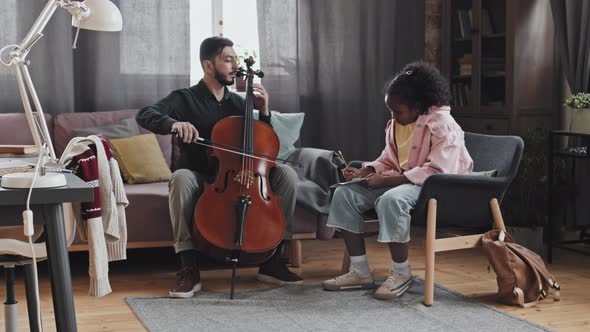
(320,169)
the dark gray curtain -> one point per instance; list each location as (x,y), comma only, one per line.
(331,59)
(572,27)
(108,70)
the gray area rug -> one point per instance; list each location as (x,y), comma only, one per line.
(309,308)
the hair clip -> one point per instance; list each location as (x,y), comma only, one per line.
(406,73)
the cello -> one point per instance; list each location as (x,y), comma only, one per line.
(238,218)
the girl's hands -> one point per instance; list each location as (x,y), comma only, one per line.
(354,173)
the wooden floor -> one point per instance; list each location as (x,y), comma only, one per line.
(151,272)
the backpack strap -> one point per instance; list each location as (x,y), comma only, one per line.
(540,271)
(536,262)
(520,298)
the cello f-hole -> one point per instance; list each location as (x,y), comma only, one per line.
(225,180)
(262,188)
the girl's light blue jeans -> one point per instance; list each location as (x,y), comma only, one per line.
(392,204)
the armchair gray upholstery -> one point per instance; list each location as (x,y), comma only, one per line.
(470,194)
(466,201)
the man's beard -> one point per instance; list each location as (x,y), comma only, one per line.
(221,78)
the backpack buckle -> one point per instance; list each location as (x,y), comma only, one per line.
(543,293)
(554,284)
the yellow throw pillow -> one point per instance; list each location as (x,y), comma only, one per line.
(140,159)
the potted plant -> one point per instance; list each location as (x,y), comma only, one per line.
(242,55)
(579,105)
(526,199)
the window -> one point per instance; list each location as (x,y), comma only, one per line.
(8,35)
(154,37)
(234,19)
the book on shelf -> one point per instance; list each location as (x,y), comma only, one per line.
(465,65)
(486,22)
(18,149)
(464,24)
(466,92)
(466,58)
(461,94)
(465,70)
(457,100)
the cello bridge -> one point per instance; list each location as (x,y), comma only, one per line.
(245,178)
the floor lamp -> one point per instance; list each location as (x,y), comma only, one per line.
(101,15)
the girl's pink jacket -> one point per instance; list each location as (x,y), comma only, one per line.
(437,146)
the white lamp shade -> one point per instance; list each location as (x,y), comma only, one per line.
(104,16)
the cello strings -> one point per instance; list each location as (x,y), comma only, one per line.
(250,115)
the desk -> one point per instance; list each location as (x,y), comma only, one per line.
(47,208)
(577,148)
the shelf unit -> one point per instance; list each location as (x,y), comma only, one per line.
(501,62)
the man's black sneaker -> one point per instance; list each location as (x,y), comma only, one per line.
(188,281)
(277,273)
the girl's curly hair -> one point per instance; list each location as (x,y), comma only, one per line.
(419,85)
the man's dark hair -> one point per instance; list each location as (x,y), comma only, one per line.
(212,47)
(419,85)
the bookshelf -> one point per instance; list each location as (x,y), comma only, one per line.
(502,66)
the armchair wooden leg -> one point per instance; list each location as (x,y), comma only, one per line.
(345,262)
(497,214)
(430,250)
(295,253)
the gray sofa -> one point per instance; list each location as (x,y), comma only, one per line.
(148,219)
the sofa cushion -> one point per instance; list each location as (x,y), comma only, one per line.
(287,126)
(120,129)
(65,123)
(140,159)
(14,129)
(148,216)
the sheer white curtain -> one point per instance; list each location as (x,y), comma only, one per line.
(239,23)
(156,52)
(50,59)
(8,35)
(109,70)
(139,65)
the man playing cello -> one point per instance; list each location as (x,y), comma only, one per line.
(191,113)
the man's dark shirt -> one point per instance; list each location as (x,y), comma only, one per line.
(198,106)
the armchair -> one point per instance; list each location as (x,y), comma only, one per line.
(466,201)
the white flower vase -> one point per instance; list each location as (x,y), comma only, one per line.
(580,120)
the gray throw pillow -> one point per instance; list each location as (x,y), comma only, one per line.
(121,129)
(288,127)
(491,173)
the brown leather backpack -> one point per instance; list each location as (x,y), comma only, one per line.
(522,276)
